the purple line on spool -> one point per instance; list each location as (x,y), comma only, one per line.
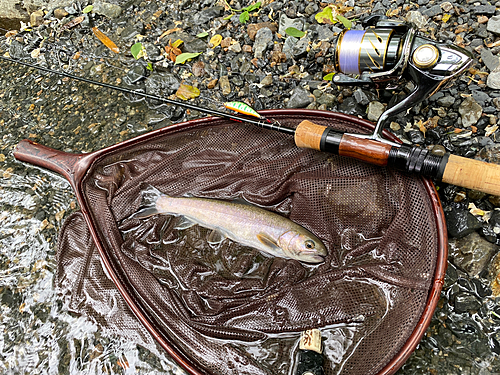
(349,51)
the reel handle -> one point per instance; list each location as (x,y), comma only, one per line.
(451,169)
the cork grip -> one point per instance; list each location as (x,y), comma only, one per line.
(308,135)
(472,174)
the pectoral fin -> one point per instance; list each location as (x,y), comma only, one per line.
(184,223)
(268,242)
(215,237)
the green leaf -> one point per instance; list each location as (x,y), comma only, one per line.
(229,17)
(88,9)
(136,49)
(149,66)
(253,7)
(244,17)
(292,31)
(185,56)
(325,16)
(329,77)
(202,35)
(347,23)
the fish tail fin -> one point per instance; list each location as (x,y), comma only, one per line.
(150,196)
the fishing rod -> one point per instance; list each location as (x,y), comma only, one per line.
(383,55)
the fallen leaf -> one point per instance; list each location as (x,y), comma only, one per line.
(172,50)
(292,31)
(60,215)
(215,41)
(421,126)
(325,16)
(186,92)
(202,35)
(347,23)
(105,40)
(186,56)
(177,43)
(87,9)
(72,23)
(168,32)
(329,76)
(136,49)
(446,17)
(244,17)
(10,33)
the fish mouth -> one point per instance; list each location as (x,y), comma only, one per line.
(312,258)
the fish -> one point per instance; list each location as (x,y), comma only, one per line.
(246,224)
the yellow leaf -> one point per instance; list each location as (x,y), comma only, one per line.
(177,43)
(186,92)
(215,40)
(105,40)
(446,17)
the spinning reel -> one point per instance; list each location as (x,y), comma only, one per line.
(389,52)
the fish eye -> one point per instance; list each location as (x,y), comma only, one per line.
(309,244)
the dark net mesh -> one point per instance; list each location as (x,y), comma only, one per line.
(231,309)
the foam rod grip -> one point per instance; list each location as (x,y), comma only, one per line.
(472,174)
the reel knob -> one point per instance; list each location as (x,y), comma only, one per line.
(425,56)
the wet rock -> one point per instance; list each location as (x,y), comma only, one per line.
(135,74)
(236,47)
(493,80)
(16,50)
(472,253)
(460,222)
(60,13)
(152,51)
(375,110)
(490,153)
(364,97)
(254,27)
(262,38)
(484,9)
(206,15)
(198,68)
(327,100)
(130,31)
(350,107)
(494,25)
(470,111)
(489,59)
(416,18)
(286,22)
(416,137)
(36,18)
(446,101)
(466,302)
(324,32)
(107,9)
(301,48)
(433,11)
(288,46)
(162,83)
(224,85)
(267,81)
(300,98)
(446,6)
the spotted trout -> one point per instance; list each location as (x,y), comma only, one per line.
(248,225)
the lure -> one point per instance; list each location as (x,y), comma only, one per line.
(242,108)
